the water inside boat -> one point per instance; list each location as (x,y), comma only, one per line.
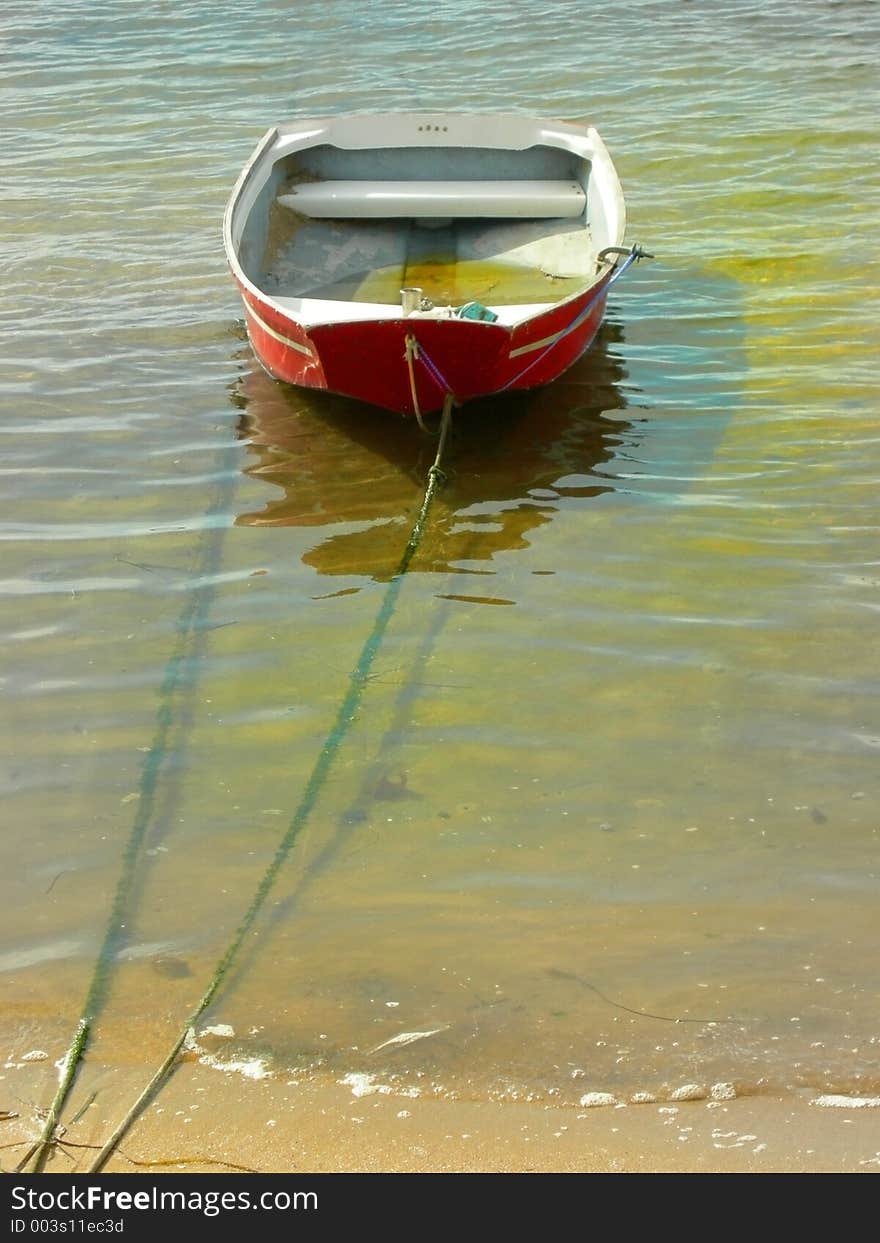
(490,261)
(502,257)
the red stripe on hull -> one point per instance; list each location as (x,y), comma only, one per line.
(366,359)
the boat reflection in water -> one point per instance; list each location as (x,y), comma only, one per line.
(359,476)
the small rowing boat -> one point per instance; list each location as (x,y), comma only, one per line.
(411,259)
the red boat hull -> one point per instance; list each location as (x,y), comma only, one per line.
(368,359)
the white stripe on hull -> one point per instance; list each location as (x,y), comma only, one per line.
(288,341)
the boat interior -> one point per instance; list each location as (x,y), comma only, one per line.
(504,229)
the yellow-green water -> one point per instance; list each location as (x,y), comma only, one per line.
(453,282)
(607,817)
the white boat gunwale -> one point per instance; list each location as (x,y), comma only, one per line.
(602,196)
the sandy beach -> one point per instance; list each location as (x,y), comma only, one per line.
(210,1121)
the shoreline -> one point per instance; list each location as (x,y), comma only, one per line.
(208,1120)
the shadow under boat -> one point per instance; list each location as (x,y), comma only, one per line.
(357,475)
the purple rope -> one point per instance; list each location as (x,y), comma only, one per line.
(439,378)
(634,254)
(434,370)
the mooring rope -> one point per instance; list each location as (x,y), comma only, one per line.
(632,256)
(412,352)
(415,350)
(344,719)
(188,626)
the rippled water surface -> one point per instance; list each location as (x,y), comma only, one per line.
(607,812)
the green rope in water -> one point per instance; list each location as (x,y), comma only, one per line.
(190,623)
(344,719)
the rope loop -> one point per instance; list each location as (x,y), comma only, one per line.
(411,352)
(416,351)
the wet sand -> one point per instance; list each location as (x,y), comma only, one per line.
(210,1121)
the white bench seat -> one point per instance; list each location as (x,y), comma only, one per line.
(374,200)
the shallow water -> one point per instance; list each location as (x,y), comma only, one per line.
(606,817)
